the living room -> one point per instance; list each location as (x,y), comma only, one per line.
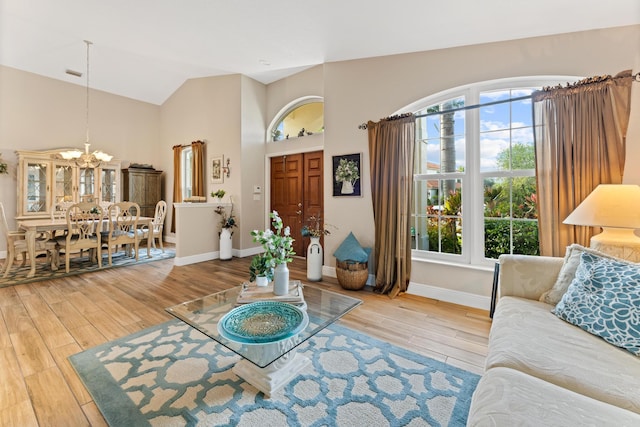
(231,113)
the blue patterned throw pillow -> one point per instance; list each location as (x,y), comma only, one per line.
(604,299)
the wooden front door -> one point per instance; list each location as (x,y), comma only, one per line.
(297,192)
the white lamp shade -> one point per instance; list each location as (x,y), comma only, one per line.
(609,205)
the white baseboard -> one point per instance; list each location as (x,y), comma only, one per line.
(433,292)
(193,259)
(449,295)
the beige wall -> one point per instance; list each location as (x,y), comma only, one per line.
(632,172)
(206,109)
(250,169)
(39,113)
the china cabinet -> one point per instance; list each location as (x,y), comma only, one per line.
(45,180)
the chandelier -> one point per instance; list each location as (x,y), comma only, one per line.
(86,159)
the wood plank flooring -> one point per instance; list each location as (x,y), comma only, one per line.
(43,323)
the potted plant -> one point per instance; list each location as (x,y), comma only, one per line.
(3,166)
(219,194)
(278,248)
(314,228)
(227,223)
(260,270)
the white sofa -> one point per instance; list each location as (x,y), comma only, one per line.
(543,371)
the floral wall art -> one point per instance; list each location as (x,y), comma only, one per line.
(346,175)
(216,170)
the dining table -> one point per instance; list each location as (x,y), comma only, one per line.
(35,228)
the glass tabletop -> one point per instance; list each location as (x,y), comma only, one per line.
(204,314)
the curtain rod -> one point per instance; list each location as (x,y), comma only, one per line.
(468,107)
(635,77)
(188,145)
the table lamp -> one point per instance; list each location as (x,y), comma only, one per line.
(615,208)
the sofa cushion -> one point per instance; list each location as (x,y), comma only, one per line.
(568,272)
(527,336)
(505,397)
(604,299)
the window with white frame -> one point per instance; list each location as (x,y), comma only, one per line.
(187,172)
(474,179)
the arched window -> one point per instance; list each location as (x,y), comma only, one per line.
(302,117)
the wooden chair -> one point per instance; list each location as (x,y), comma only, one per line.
(16,243)
(123,228)
(154,231)
(84,221)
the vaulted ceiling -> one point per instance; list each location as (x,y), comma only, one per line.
(146,49)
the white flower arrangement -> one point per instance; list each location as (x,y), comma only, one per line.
(347,170)
(278,246)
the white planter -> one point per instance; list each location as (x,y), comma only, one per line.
(225,244)
(281,279)
(314,260)
(262,281)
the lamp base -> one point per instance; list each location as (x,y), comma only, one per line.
(621,243)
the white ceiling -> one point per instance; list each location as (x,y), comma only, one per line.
(146,49)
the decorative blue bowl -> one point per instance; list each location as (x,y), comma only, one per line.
(262,322)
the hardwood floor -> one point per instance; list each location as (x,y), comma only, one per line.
(45,322)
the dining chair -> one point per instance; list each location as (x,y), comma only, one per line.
(16,243)
(84,221)
(122,228)
(59,211)
(155,229)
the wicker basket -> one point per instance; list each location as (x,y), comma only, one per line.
(352,275)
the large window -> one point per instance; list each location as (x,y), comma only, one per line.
(475,187)
(187,172)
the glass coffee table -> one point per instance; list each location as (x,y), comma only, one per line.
(269,357)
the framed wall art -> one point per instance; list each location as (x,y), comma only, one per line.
(346,175)
(217,177)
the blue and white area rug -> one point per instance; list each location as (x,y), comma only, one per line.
(172,375)
(80,265)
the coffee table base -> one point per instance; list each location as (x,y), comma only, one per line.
(273,377)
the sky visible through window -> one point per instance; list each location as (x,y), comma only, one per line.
(501,125)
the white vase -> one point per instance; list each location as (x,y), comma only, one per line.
(225,244)
(281,279)
(262,281)
(347,187)
(314,260)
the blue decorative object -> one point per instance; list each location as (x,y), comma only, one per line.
(604,299)
(262,322)
(351,250)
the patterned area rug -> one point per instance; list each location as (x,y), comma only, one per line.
(79,265)
(172,375)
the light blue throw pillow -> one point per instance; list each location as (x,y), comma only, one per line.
(604,299)
(351,250)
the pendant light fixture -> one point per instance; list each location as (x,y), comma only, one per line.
(86,159)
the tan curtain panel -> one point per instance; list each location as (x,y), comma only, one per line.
(391,152)
(198,165)
(177,183)
(580,143)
